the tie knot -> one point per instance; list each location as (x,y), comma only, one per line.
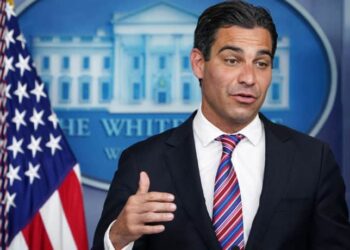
(229,142)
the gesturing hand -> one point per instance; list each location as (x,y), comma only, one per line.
(142,208)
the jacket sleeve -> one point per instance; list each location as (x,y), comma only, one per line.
(123,185)
(331,228)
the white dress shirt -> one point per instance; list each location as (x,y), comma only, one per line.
(248,159)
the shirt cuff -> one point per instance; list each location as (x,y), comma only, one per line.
(108,243)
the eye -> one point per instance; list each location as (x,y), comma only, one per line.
(262,64)
(231,61)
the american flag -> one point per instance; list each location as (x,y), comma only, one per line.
(41,205)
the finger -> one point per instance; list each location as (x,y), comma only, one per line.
(157,207)
(139,199)
(154,229)
(158,196)
(144,183)
(156,217)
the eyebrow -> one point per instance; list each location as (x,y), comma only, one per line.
(239,50)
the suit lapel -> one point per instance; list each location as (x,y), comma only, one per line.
(279,156)
(182,162)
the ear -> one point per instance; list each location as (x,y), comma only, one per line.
(197,62)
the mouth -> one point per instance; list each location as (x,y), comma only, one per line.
(244,98)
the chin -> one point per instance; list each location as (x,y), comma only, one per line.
(243,117)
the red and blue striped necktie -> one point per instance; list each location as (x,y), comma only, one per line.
(227,210)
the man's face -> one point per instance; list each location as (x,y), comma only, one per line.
(236,77)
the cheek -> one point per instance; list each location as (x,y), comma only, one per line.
(218,78)
(212,86)
(265,82)
(264,87)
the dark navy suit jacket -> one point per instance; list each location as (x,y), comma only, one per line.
(302,204)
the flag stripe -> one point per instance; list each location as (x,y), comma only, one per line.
(76,169)
(54,218)
(75,221)
(41,239)
(18,243)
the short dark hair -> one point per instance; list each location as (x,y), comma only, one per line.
(227,14)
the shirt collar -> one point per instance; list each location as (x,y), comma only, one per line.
(207,132)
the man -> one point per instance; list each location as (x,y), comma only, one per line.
(228,178)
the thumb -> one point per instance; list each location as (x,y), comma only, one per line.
(144,183)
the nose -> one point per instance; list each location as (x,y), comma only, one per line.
(247,75)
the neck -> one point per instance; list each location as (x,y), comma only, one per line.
(228,126)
